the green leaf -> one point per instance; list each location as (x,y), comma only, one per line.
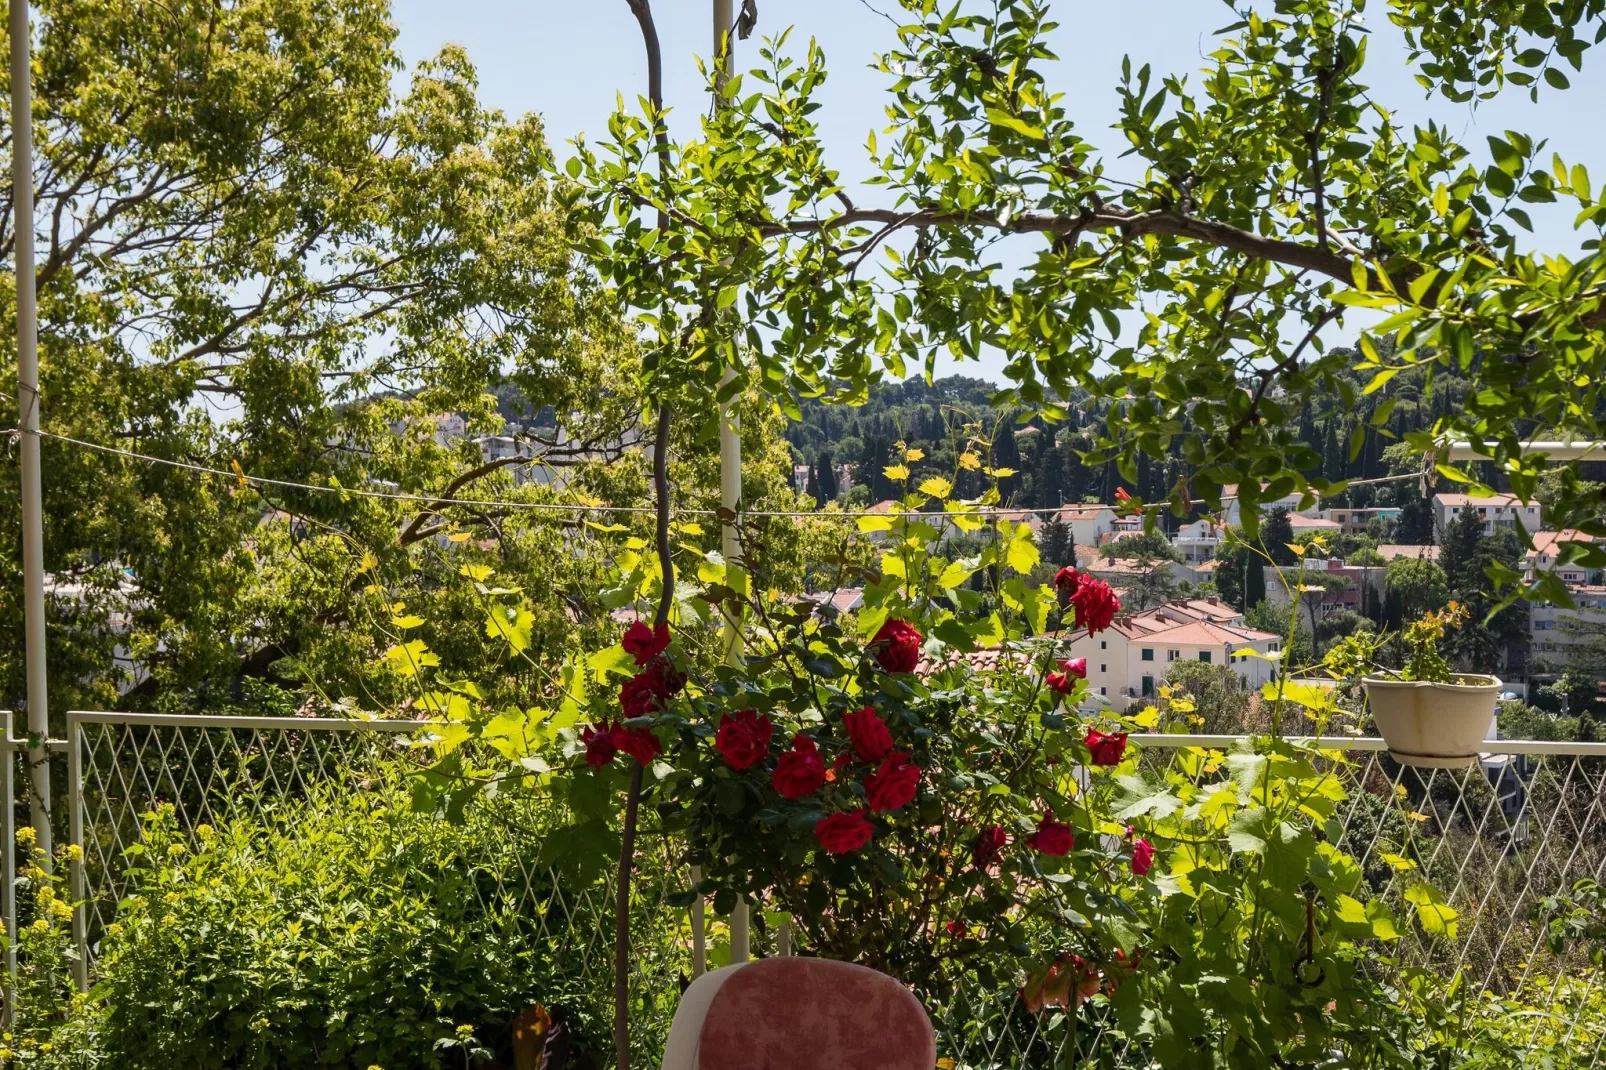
(1435,916)
(1022,554)
(613,659)
(1020,126)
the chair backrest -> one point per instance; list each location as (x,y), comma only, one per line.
(799,1014)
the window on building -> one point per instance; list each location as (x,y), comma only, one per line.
(1104,644)
(1172,655)
(1204,656)
(1104,691)
(1148,653)
(1103,667)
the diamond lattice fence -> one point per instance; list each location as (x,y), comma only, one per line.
(1499,838)
(277,774)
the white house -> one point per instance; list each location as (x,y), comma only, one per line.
(1497,512)
(1232,513)
(1088,523)
(1547,551)
(1127,663)
(1197,540)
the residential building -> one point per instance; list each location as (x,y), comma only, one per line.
(1302,523)
(1497,512)
(1544,557)
(1127,663)
(1354,520)
(1197,540)
(1556,633)
(1342,587)
(1088,523)
(1232,514)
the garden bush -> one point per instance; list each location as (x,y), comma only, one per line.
(342,930)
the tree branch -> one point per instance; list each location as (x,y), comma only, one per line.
(415,530)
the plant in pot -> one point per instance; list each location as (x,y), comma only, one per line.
(1428,715)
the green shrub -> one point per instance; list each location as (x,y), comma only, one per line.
(346,931)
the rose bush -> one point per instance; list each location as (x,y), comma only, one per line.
(976,824)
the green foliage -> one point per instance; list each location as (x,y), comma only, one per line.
(346,931)
(1423,636)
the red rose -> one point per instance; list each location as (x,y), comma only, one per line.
(800,771)
(743,738)
(644,643)
(845,832)
(896,646)
(1052,837)
(871,739)
(638,742)
(1076,667)
(1096,605)
(600,747)
(650,688)
(1142,856)
(1107,748)
(893,785)
(989,846)
(957,929)
(1067,580)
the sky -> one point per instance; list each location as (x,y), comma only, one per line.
(567,59)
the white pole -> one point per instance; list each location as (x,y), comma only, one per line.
(1556,451)
(33,537)
(730,467)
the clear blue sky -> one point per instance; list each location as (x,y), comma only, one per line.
(566,60)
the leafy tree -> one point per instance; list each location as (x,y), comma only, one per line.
(1463,537)
(827,477)
(1057,546)
(1278,535)
(1418,584)
(1146,547)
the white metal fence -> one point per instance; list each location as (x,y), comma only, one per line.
(1501,839)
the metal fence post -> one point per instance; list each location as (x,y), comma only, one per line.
(75,837)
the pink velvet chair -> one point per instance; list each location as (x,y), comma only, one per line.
(799,1014)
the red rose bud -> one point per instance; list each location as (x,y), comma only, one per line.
(1076,667)
(743,738)
(957,929)
(644,643)
(1096,605)
(869,734)
(893,785)
(896,646)
(1106,748)
(600,747)
(1060,684)
(844,833)
(1067,580)
(1052,837)
(800,771)
(638,742)
(989,846)
(1142,856)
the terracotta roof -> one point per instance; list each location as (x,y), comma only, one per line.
(1201,633)
(1082,512)
(1470,499)
(1550,542)
(1312,522)
(843,599)
(1215,608)
(886,506)
(1206,566)
(1390,551)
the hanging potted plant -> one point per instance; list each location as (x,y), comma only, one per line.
(1428,715)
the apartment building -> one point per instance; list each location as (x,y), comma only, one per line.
(1127,663)
(1497,512)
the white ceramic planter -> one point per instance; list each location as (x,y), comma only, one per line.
(1437,725)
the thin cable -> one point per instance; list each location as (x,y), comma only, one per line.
(440,501)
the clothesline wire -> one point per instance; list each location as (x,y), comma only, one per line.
(441,501)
